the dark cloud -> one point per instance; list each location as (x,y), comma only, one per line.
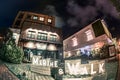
(9,10)
(50,10)
(87,11)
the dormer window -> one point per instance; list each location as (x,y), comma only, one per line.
(41,18)
(35,17)
(49,20)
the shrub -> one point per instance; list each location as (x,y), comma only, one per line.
(10,51)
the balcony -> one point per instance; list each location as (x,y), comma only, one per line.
(24,38)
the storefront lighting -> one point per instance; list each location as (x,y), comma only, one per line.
(51,47)
(30,45)
(41,46)
(69,54)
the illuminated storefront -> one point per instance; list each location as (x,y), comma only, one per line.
(38,35)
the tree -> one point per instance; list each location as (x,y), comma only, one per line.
(9,51)
(104,53)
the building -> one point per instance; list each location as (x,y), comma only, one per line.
(88,40)
(37,35)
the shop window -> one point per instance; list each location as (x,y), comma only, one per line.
(42,36)
(49,20)
(53,38)
(52,54)
(89,35)
(31,34)
(41,18)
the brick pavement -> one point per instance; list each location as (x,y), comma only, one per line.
(5,74)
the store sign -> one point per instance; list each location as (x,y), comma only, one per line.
(74,67)
(36,60)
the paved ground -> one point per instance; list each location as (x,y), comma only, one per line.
(5,74)
(35,76)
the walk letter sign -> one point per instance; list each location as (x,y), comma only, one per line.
(74,67)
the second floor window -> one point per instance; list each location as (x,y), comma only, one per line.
(42,36)
(89,35)
(31,34)
(35,17)
(41,18)
(53,38)
(49,20)
(75,42)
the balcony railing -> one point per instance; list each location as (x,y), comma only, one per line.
(38,40)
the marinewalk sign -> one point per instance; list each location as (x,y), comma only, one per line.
(36,60)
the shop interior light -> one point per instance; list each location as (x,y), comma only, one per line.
(51,47)
(30,45)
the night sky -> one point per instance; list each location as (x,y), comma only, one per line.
(71,15)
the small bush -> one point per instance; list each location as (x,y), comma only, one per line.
(10,52)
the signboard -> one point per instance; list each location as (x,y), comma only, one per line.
(41,46)
(43,66)
(74,67)
(36,60)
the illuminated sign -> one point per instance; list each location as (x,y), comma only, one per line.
(74,67)
(36,60)
(60,71)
